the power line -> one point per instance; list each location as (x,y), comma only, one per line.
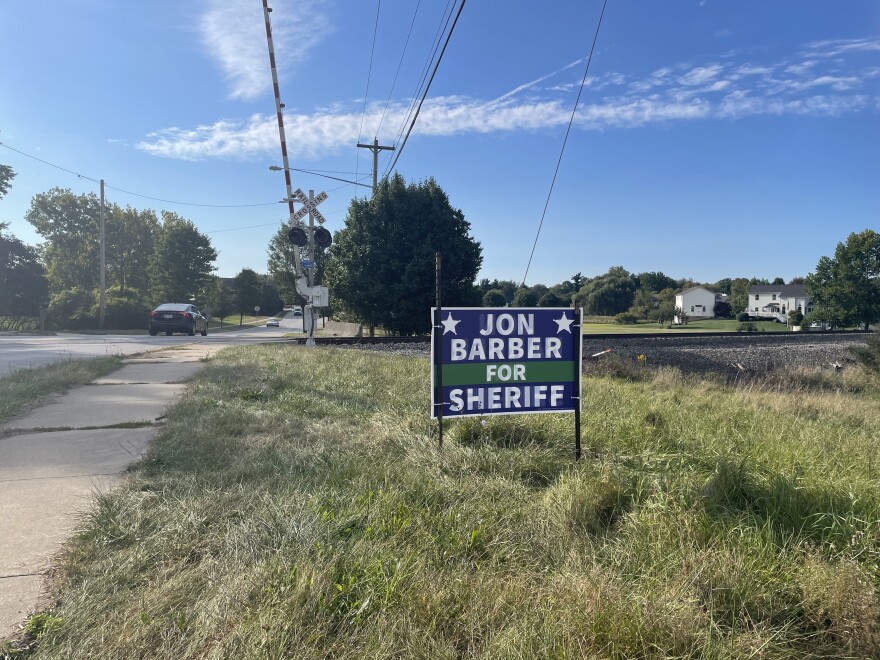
(171,201)
(128,192)
(397,73)
(427,88)
(367,91)
(438,35)
(218,231)
(565,140)
(46,162)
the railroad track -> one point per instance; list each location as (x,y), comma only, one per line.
(692,353)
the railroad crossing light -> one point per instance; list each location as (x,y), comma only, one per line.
(297,236)
(323,238)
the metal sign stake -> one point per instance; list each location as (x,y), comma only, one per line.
(438,347)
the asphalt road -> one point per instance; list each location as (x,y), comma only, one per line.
(28,351)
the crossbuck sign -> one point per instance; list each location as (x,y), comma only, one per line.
(498,360)
(308,205)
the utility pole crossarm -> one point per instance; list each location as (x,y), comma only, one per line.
(375,148)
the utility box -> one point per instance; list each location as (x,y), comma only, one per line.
(320,296)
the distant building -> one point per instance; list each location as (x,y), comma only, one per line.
(773,302)
(695,303)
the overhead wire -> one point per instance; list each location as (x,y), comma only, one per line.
(432,53)
(397,73)
(399,150)
(565,140)
(367,91)
(128,192)
(179,203)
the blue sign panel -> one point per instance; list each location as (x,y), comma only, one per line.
(499,360)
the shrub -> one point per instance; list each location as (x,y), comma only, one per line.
(795,317)
(747,327)
(72,309)
(742,317)
(869,355)
(123,310)
(626,318)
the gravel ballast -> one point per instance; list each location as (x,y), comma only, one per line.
(700,354)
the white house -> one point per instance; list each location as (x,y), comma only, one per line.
(773,302)
(696,303)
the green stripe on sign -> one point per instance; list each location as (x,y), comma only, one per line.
(508,372)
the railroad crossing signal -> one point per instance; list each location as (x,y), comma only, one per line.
(308,205)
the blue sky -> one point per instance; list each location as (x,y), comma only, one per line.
(713,138)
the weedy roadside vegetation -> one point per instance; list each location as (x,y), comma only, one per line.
(26,388)
(296,505)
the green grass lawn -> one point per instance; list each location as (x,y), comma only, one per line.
(26,388)
(296,506)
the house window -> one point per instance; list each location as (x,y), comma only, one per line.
(756,309)
(692,308)
(757,297)
(799,308)
(774,297)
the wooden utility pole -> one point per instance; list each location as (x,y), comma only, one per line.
(103,282)
(375,148)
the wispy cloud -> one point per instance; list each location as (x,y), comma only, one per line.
(835,47)
(234,34)
(813,85)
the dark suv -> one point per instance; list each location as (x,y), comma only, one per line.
(177,317)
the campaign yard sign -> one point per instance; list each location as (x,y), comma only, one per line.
(503,361)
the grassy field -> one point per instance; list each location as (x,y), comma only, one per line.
(296,505)
(24,389)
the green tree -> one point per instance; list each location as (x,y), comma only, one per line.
(130,240)
(381,268)
(216,299)
(6,177)
(494,298)
(608,294)
(248,291)
(845,290)
(23,283)
(507,287)
(644,301)
(739,295)
(654,281)
(525,297)
(69,223)
(182,261)
(282,266)
(271,301)
(552,299)
(722,309)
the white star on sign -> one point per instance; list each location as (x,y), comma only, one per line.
(449,324)
(564,323)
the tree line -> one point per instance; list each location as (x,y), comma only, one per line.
(380,268)
(150,259)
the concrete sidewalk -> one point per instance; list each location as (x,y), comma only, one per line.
(55,458)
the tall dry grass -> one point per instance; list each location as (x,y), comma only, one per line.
(296,506)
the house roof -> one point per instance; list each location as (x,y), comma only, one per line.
(694,288)
(785,290)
